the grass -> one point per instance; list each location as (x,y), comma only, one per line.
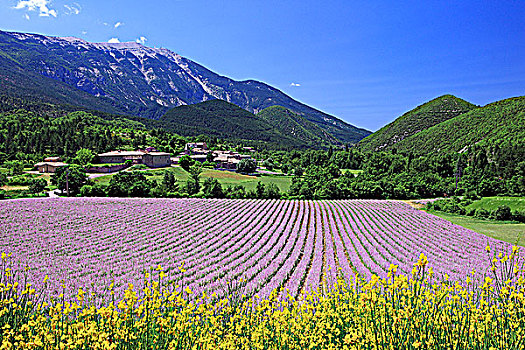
(226,178)
(14,188)
(504,231)
(492,203)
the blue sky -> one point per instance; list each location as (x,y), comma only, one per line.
(366,62)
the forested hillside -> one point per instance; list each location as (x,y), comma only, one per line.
(31,135)
(501,122)
(293,125)
(218,118)
(412,122)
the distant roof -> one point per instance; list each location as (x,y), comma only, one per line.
(122,153)
(55,164)
(159,154)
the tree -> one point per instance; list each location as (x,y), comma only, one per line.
(69,178)
(186,162)
(298,171)
(235,192)
(503,212)
(247,166)
(37,185)
(93,190)
(268,164)
(193,184)
(169,181)
(212,188)
(83,157)
(260,190)
(16,167)
(272,191)
(3,179)
(130,184)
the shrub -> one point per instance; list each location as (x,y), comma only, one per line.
(470,212)
(268,164)
(212,188)
(130,184)
(272,191)
(159,192)
(518,216)
(247,166)
(37,185)
(186,162)
(482,213)
(235,192)
(93,190)
(472,195)
(21,180)
(503,213)
(16,167)
(137,166)
(209,165)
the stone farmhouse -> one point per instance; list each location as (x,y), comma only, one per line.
(49,167)
(152,158)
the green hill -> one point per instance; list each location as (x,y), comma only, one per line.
(412,122)
(218,118)
(502,121)
(293,125)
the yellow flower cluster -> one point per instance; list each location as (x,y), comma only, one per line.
(399,312)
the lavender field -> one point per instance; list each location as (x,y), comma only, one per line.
(225,246)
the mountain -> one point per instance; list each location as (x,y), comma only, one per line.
(295,126)
(498,122)
(225,120)
(19,84)
(412,122)
(137,80)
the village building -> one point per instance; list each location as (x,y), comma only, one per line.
(121,157)
(49,167)
(156,159)
(152,158)
(201,158)
(196,148)
(228,159)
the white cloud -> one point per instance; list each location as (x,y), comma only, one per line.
(295,84)
(113,41)
(118,24)
(34,5)
(26,16)
(142,40)
(84,32)
(73,9)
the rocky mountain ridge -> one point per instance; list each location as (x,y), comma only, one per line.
(145,81)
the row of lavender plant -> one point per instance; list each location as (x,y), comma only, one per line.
(225,246)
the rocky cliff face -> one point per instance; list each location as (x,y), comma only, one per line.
(146,81)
